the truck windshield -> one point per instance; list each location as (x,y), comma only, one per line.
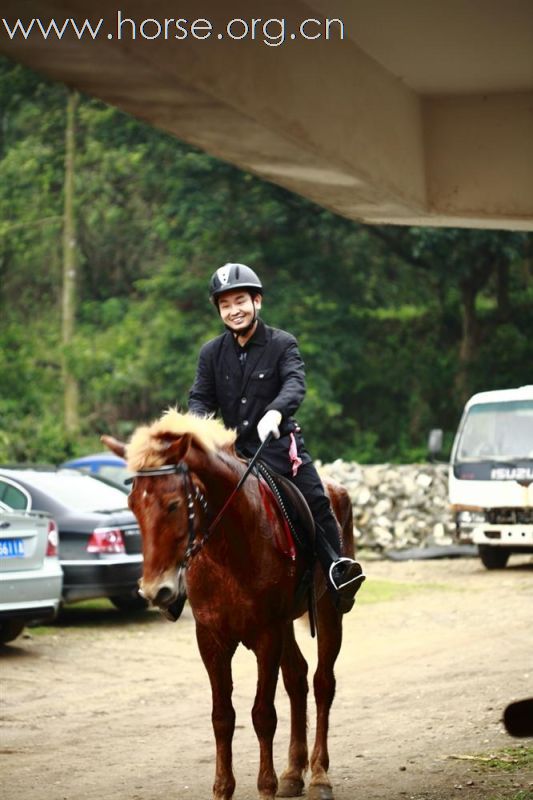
(500,431)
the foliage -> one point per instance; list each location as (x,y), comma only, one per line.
(394,324)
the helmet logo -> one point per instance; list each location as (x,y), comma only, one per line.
(223,274)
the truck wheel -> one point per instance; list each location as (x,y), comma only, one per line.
(493,557)
(10,629)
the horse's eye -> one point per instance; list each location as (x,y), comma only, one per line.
(172,506)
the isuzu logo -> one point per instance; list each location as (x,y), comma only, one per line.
(523,475)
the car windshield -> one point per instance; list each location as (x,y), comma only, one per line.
(498,431)
(78,491)
(114,473)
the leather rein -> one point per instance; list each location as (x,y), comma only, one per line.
(193,494)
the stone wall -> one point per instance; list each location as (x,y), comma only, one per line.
(396,505)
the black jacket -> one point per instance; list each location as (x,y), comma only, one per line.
(273,378)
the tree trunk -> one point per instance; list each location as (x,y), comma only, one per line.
(527,262)
(70,384)
(469,340)
(502,290)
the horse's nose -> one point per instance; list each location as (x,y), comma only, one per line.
(161,590)
(163,596)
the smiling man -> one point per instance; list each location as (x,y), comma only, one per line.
(254,376)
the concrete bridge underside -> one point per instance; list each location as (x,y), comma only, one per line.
(422,114)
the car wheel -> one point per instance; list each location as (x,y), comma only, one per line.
(493,557)
(10,629)
(129,602)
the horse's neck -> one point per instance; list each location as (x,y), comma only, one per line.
(220,476)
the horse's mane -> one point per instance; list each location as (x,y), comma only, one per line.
(149,444)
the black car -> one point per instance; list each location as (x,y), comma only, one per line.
(99,539)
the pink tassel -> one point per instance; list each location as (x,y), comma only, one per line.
(296,461)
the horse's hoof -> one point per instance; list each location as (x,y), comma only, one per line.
(290,787)
(320,791)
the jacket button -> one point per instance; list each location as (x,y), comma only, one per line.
(243,400)
(245,422)
(261,374)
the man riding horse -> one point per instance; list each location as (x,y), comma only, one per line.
(253,375)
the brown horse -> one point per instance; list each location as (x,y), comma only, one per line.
(240,588)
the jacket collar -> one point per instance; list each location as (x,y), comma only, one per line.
(259,337)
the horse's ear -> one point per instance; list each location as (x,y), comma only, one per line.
(176,448)
(119,448)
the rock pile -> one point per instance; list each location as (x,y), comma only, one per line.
(396,506)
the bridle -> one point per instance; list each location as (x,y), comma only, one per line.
(192,493)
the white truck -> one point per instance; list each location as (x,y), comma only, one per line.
(491,474)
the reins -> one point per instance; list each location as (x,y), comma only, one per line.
(249,468)
(182,468)
(192,492)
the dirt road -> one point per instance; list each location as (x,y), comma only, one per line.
(97,707)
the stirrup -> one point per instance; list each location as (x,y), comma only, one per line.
(361,577)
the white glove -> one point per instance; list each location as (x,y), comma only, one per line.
(269,424)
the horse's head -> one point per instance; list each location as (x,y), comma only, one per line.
(161,498)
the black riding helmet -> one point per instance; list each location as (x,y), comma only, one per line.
(231,277)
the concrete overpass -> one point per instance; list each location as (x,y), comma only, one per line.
(385,111)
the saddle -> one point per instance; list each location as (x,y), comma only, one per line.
(300,522)
(294,509)
(301,526)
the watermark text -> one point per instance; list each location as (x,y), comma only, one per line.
(272,32)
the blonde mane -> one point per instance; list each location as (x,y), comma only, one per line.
(149,443)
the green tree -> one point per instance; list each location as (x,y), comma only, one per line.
(395,325)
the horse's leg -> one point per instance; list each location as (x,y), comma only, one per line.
(294,670)
(217,659)
(268,647)
(329,630)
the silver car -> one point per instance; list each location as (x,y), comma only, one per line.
(100,548)
(31,578)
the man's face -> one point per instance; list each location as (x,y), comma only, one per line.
(237,309)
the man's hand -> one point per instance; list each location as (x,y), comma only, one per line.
(269,424)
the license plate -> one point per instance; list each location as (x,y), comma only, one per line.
(11,548)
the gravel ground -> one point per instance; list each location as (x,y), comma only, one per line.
(103,706)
